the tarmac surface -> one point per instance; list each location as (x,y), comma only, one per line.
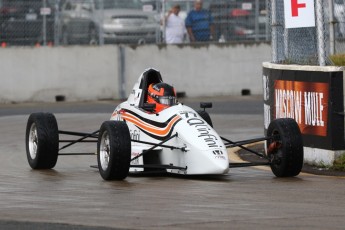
(74,196)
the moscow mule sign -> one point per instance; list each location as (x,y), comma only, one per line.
(313,99)
(306,102)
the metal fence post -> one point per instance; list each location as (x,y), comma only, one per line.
(286,43)
(57,23)
(44,26)
(331,27)
(122,71)
(163,20)
(256,26)
(101,19)
(320,33)
(274,25)
(267,25)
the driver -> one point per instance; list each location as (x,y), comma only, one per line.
(161,94)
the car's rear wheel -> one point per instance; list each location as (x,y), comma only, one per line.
(42,141)
(285,148)
(114,150)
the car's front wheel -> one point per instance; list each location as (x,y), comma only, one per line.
(114,150)
(285,147)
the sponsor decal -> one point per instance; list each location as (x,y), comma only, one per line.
(306,102)
(202,127)
(135,134)
(219,154)
(116,115)
(188,114)
(265,82)
(266,94)
(136,161)
(267,115)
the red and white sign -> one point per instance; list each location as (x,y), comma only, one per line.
(299,13)
(306,102)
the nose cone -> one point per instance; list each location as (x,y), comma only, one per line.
(220,167)
(207,162)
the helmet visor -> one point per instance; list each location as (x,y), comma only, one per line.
(167,100)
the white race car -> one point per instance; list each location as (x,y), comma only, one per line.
(176,140)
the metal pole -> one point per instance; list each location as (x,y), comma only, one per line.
(56,23)
(332,22)
(163,20)
(159,30)
(286,44)
(320,33)
(256,20)
(122,71)
(101,20)
(44,26)
(267,23)
(274,25)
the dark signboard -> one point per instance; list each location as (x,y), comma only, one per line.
(313,98)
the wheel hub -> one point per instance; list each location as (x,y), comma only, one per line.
(33,141)
(104,151)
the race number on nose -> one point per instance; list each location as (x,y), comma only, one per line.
(299,13)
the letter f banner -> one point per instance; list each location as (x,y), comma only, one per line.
(299,13)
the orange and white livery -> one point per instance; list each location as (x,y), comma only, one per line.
(199,148)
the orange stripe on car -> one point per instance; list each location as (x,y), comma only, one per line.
(148,127)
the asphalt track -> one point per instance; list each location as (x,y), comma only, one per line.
(74,196)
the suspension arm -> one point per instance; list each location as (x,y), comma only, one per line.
(76,134)
(79,140)
(240,144)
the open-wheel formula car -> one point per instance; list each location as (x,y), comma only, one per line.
(177,140)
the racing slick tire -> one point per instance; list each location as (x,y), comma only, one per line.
(204,115)
(114,150)
(42,141)
(285,149)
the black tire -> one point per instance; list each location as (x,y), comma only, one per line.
(286,148)
(42,141)
(204,115)
(114,150)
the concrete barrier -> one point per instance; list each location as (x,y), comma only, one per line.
(314,97)
(93,73)
(39,74)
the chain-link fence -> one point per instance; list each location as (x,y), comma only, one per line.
(219,20)
(65,22)
(25,22)
(338,26)
(308,45)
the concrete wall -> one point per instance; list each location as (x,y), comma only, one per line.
(91,73)
(314,153)
(38,74)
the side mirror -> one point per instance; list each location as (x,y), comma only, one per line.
(205,105)
(149,107)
